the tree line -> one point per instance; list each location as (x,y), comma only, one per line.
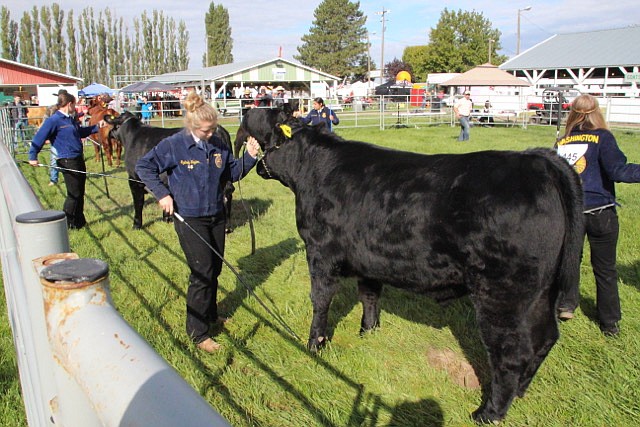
(96,45)
(337,43)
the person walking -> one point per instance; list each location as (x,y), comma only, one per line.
(199,165)
(319,114)
(462,109)
(64,133)
(594,153)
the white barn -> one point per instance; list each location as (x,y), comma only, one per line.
(604,63)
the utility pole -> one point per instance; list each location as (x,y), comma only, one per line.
(368,59)
(491,41)
(383,19)
(518,35)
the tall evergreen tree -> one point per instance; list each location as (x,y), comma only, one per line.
(460,42)
(8,35)
(37,49)
(27,55)
(73,50)
(47,34)
(219,43)
(183,42)
(57,44)
(336,42)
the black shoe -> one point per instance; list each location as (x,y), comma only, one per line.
(610,330)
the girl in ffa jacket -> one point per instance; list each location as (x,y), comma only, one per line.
(319,114)
(593,151)
(65,134)
(198,165)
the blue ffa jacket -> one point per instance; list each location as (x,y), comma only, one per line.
(596,157)
(196,176)
(321,116)
(64,133)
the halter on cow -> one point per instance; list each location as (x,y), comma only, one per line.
(503,227)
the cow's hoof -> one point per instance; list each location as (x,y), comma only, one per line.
(137,226)
(482,416)
(228,230)
(316,344)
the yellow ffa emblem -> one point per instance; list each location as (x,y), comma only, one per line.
(218,160)
(324,115)
(580,165)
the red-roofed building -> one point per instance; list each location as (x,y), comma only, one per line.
(29,81)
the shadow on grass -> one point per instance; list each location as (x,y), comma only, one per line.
(254,270)
(239,208)
(458,315)
(630,274)
(427,411)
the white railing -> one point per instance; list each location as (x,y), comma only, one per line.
(80,363)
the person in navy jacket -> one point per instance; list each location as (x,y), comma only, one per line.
(594,153)
(319,114)
(65,135)
(198,165)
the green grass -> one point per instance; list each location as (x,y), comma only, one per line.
(264,377)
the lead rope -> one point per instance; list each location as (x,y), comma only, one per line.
(247,211)
(235,272)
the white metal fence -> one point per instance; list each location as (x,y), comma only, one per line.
(80,363)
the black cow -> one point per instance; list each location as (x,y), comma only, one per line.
(262,121)
(137,139)
(503,227)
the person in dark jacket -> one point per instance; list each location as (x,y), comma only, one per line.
(319,114)
(198,165)
(64,133)
(594,153)
(19,113)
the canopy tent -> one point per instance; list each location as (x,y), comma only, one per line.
(485,75)
(95,89)
(133,87)
(152,86)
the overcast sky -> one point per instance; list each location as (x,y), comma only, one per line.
(261,27)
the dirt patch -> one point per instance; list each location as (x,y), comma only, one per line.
(460,371)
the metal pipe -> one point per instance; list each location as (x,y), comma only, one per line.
(125,380)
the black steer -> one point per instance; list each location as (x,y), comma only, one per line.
(137,139)
(262,121)
(503,227)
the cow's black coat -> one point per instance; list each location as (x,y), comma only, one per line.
(137,139)
(503,227)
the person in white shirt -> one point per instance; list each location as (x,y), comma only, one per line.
(462,109)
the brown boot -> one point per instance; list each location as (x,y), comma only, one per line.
(209,345)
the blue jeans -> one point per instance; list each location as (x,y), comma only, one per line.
(53,171)
(464,131)
(19,131)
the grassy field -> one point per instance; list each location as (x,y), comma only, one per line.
(264,377)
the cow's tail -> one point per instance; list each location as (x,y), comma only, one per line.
(570,191)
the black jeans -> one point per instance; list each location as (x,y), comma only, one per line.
(75,182)
(602,230)
(205,266)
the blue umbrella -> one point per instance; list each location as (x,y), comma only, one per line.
(96,89)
